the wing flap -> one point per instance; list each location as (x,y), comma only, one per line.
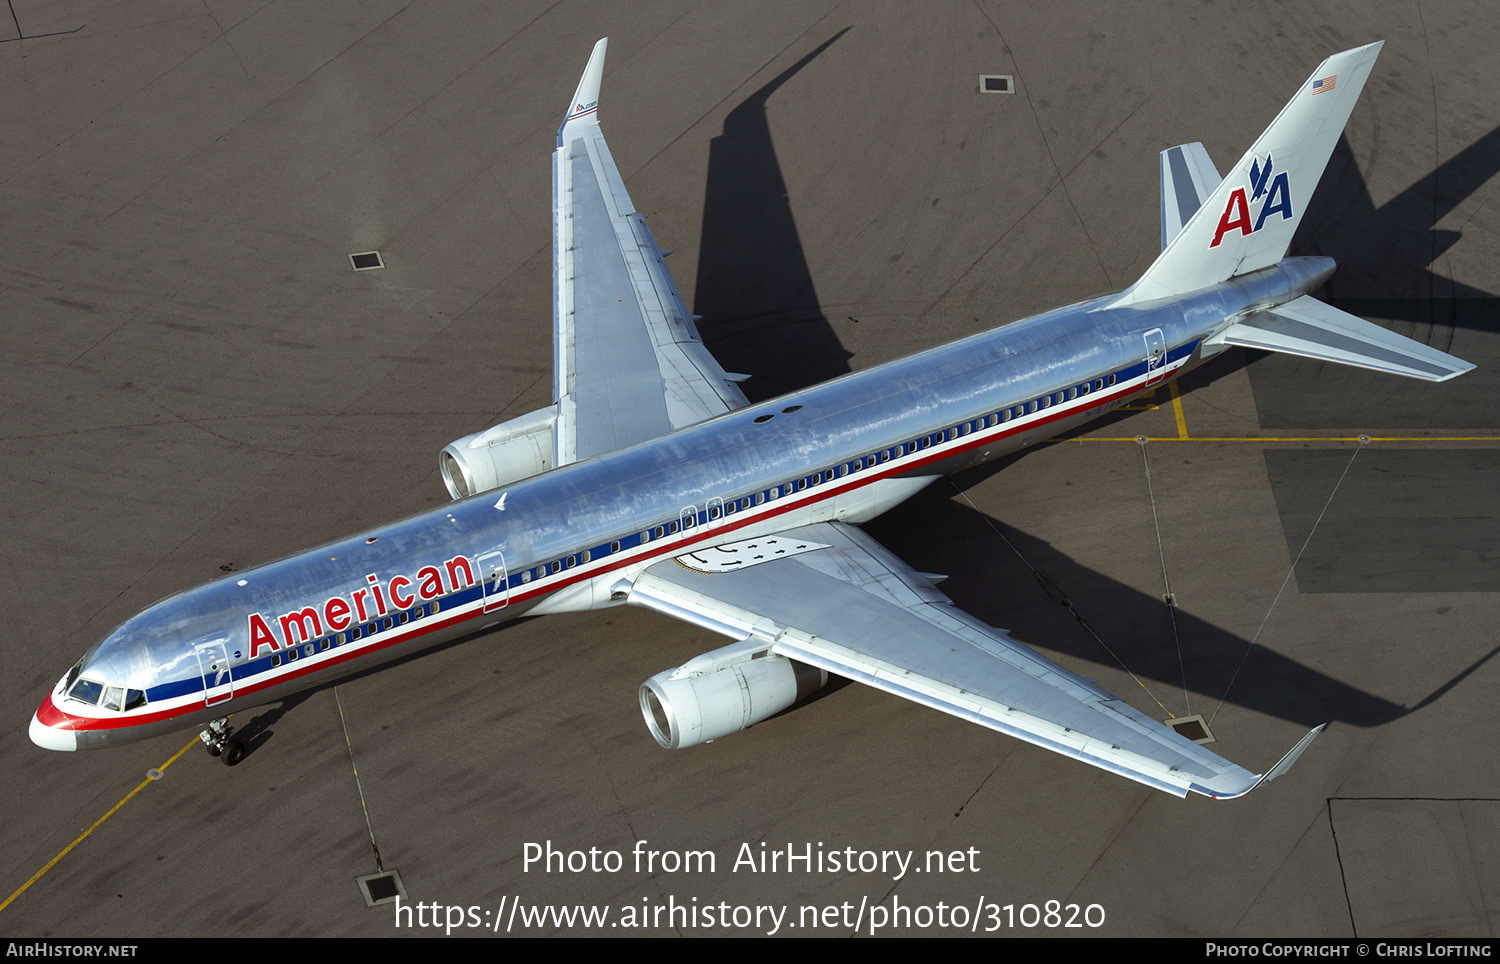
(852,608)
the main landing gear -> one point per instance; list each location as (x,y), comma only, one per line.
(216,738)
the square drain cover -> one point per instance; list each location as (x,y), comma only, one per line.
(381,888)
(366,261)
(1193,727)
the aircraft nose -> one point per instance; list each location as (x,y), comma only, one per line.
(51,737)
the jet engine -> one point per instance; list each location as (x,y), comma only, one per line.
(517,449)
(726,690)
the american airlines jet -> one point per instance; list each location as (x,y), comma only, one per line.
(651,481)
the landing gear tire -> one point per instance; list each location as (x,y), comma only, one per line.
(216,739)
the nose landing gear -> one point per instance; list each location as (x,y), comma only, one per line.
(216,739)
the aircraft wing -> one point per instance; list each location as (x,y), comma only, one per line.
(628,361)
(830,596)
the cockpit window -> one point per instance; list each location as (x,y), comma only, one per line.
(86,691)
(114,697)
(134,699)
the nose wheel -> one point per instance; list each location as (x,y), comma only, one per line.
(216,739)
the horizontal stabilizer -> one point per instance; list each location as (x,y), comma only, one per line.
(1308,327)
(1187,177)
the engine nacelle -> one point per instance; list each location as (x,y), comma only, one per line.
(517,449)
(718,693)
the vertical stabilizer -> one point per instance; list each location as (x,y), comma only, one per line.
(1248,222)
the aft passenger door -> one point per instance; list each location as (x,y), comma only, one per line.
(492,578)
(1156,356)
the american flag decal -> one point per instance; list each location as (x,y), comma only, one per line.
(1325,84)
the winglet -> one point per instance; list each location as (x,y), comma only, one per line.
(1275,773)
(1279,770)
(584,107)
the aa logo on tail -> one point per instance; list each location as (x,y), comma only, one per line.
(1274,195)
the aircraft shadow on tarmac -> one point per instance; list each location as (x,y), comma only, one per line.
(754,288)
(1044,599)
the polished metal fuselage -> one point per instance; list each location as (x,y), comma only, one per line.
(576,536)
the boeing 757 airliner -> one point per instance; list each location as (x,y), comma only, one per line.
(650,480)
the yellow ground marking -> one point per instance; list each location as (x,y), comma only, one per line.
(1182,432)
(1183,436)
(53,862)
